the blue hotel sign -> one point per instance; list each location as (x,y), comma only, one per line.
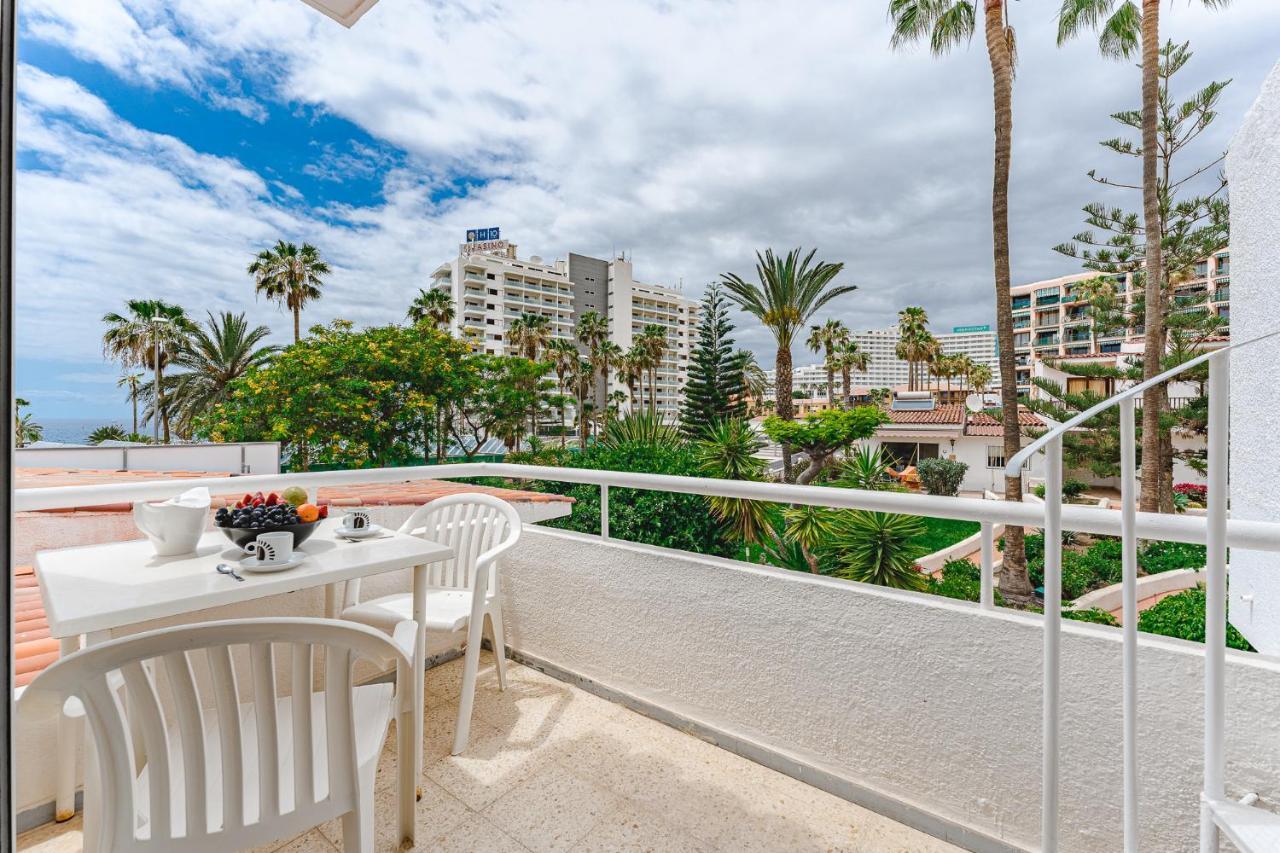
(481,235)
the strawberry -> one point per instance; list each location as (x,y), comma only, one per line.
(247,499)
(324,511)
(239,504)
(273,499)
(257,501)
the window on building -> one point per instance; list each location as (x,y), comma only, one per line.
(995,457)
(489,322)
(1100,385)
(490,276)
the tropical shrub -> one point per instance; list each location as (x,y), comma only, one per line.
(875,547)
(664,519)
(1092,614)
(109,432)
(941,476)
(1182,616)
(1071,489)
(960,579)
(727,452)
(1160,556)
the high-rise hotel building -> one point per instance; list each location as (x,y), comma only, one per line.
(491,286)
(1051,318)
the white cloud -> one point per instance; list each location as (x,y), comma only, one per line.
(689,135)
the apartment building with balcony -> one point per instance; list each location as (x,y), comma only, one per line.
(1051,317)
(633,305)
(491,286)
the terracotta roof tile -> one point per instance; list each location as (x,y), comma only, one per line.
(950,413)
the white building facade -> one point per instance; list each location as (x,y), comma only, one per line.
(491,286)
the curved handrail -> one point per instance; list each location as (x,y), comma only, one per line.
(1014,466)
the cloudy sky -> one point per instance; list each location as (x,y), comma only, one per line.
(161,144)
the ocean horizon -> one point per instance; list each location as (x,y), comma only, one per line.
(76,430)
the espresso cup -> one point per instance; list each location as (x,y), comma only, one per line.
(356,519)
(272,548)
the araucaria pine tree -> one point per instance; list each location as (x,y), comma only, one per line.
(715,388)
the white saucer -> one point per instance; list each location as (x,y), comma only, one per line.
(253,564)
(349,533)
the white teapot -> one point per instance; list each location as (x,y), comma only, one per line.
(174,526)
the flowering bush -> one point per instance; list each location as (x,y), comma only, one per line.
(1193,491)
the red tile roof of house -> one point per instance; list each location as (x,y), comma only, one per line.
(980,423)
(953,415)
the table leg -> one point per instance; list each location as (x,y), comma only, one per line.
(69,729)
(414,711)
(331,601)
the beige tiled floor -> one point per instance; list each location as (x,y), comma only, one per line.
(551,767)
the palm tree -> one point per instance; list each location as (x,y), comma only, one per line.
(132,381)
(912,341)
(1121,28)
(213,356)
(979,377)
(593,333)
(631,367)
(604,356)
(789,290)
(755,382)
(148,335)
(108,432)
(825,339)
(564,361)
(291,276)
(946,24)
(653,343)
(25,430)
(583,376)
(431,306)
(847,358)
(528,334)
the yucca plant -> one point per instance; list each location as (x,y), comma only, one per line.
(864,469)
(875,547)
(643,427)
(108,432)
(810,528)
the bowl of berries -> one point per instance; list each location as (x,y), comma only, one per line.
(256,514)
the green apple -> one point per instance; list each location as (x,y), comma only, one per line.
(295,495)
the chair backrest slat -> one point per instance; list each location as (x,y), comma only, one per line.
(300,701)
(186,702)
(111,739)
(226,694)
(339,724)
(144,705)
(263,666)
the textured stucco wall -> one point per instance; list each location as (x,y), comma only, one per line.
(925,699)
(1253,166)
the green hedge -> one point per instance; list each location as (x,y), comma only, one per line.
(1182,616)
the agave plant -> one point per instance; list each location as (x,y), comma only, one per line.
(875,547)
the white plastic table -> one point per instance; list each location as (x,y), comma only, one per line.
(94,589)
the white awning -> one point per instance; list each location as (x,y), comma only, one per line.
(345,12)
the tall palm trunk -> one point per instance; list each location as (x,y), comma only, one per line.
(162,411)
(563,424)
(831,384)
(782,386)
(1153,349)
(1014,583)
(844,382)
(133,395)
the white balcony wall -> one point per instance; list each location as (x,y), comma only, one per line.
(255,457)
(924,707)
(1253,166)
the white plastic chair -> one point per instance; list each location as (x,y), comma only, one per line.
(235,767)
(464,590)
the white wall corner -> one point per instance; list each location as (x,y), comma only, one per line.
(1253,168)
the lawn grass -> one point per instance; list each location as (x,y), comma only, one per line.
(941,532)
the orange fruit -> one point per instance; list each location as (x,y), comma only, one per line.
(308,513)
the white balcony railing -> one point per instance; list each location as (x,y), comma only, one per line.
(1217,812)
(1216,531)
